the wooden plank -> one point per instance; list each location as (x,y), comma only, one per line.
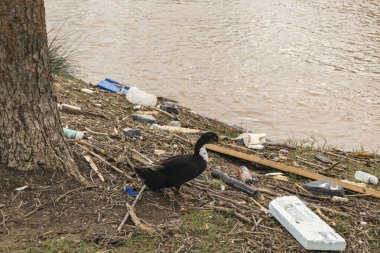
(294,170)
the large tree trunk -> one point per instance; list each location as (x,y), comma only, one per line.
(30,129)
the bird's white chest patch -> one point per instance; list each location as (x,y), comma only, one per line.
(203,153)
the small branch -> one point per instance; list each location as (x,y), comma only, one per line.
(4,223)
(162,111)
(77,189)
(137,221)
(105,161)
(94,167)
(266,211)
(143,156)
(93,132)
(233,213)
(331,210)
(133,205)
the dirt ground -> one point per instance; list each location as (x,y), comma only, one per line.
(56,214)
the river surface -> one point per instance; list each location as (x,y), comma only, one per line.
(291,69)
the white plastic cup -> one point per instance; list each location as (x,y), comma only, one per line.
(139,97)
(365,177)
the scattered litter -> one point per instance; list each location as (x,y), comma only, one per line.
(169,107)
(159,152)
(149,119)
(324,187)
(175,129)
(233,182)
(306,227)
(253,141)
(98,105)
(222,188)
(132,133)
(73,134)
(174,123)
(363,223)
(139,97)
(21,188)
(88,91)
(365,177)
(113,86)
(130,191)
(339,199)
(321,158)
(245,175)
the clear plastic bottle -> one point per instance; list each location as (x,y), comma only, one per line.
(139,97)
(365,177)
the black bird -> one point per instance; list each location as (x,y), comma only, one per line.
(177,170)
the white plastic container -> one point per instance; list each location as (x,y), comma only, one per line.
(88,91)
(139,97)
(365,177)
(306,227)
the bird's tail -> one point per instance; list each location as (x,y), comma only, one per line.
(152,178)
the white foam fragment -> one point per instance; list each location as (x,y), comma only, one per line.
(308,229)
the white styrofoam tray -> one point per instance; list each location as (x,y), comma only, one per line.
(308,229)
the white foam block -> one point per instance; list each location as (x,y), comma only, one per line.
(308,229)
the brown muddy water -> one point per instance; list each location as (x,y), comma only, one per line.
(291,69)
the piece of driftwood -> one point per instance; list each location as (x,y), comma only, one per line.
(294,170)
(137,221)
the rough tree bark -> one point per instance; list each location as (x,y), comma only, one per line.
(30,128)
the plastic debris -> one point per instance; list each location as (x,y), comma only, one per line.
(139,97)
(130,191)
(169,107)
(73,134)
(21,188)
(306,227)
(365,177)
(149,119)
(253,141)
(132,133)
(113,86)
(233,182)
(324,187)
(321,158)
(88,91)
(245,175)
